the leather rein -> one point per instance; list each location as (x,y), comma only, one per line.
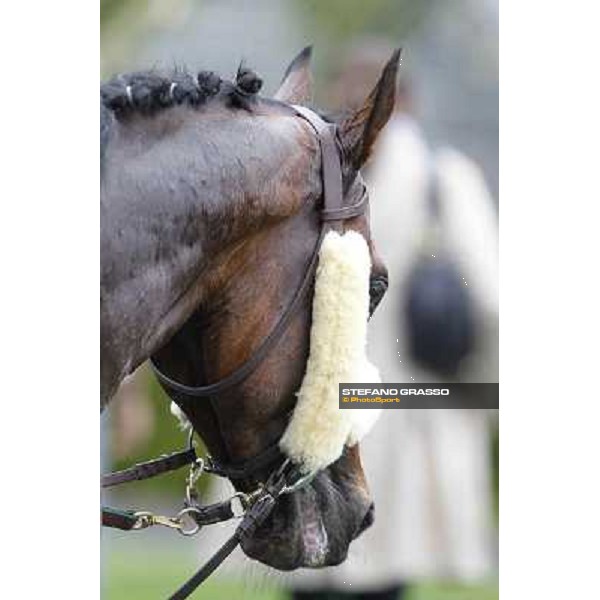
(252,508)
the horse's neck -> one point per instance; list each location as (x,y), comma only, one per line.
(170,207)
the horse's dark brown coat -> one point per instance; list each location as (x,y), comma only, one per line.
(208,219)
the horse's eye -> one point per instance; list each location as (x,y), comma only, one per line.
(377,289)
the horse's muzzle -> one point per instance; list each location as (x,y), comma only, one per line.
(314,526)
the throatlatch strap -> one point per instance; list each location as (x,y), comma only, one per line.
(151,468)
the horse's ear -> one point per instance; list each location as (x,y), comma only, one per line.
(359,130)
(296,86)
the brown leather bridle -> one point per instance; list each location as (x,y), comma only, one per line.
(333,214)
(254,507)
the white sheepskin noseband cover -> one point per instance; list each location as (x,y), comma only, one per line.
(319,430)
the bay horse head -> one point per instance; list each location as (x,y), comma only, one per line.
(210,214)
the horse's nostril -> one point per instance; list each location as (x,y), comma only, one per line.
(367,520)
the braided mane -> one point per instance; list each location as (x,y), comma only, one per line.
(147,92)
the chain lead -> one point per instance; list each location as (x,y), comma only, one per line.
(194,474)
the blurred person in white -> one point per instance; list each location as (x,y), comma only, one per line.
(428,470)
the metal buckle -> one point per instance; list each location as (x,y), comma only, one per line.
(179,522)
(299,483)
(171,522)
(184,530)
(144,519)
(239,503)
(147,519)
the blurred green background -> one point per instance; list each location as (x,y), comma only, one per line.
(134,579)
